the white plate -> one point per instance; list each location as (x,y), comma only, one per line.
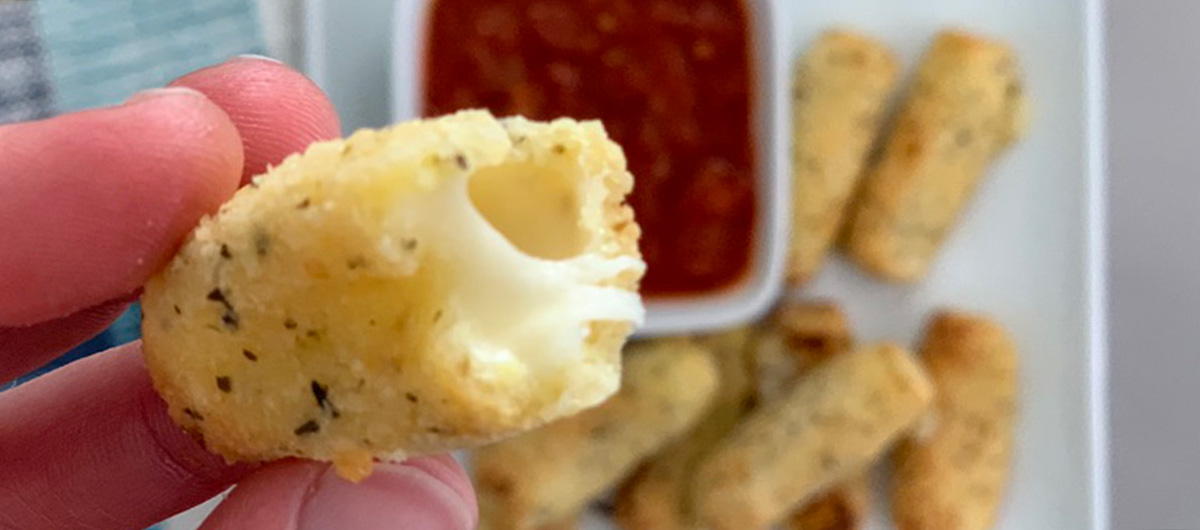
(1030,249)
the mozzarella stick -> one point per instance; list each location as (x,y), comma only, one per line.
(965,107)
(954,476)
(570,523)
(825,429)
(656,497)
(842,508)
(840,89)
(547,475)
(801,336)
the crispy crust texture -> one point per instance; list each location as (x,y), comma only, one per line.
(657,495)
(800,337)
(964,109)
(955,475)
(570,523)
(797,338)
(841,87)
(549,474)
(351,303)
(844,507)
(822,431)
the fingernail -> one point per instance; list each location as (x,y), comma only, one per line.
(449,471)
(155,93)
(394,496)
(256,57)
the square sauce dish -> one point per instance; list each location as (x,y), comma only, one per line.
(698,103)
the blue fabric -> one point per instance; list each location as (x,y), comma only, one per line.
(24,82)
(103,51)
(127,328)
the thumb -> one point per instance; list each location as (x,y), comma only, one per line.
(430,493)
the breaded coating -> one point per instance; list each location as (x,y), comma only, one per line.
(548,474)
(843,507)
(570,523)
(953,475)
(799,337)
(823,430)
(965,108)
(841,87)
(657,496)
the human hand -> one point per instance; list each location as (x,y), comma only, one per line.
(92,204)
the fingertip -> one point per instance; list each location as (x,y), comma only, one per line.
(215,151)
(446,469)
(270,498)
(23,349)
(97,437)
(303,495)
(96,201)
(406,495)
(257,57)
(155,93)
(277,110)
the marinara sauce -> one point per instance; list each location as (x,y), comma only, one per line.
(670,79)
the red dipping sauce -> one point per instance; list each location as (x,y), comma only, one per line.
(670,79)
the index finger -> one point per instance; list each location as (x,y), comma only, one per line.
(90,250)
(277,110)
(94,202)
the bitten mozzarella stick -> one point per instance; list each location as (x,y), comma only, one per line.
(839,92)
(965,107)
(656,496)
(823,430)
(435,285)
(547,475)
(953,477)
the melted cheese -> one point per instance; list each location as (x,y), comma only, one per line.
(513,308)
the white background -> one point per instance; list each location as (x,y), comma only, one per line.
(1154,149)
